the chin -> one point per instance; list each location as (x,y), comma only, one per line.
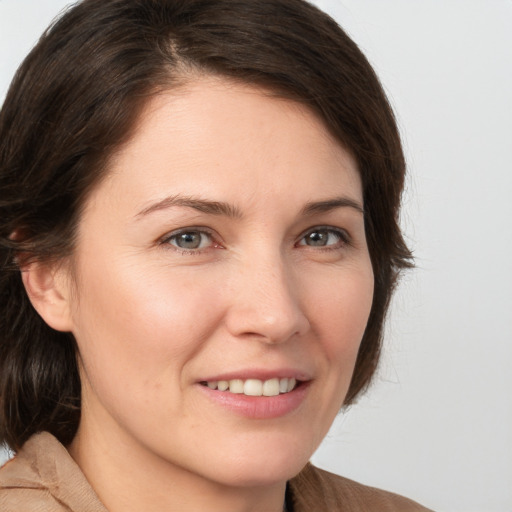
(250,475)
(262,465)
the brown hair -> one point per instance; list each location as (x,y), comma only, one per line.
(75,99)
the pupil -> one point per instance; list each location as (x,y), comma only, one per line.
(189,240)
(317,238)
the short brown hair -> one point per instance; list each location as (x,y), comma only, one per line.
(75,99)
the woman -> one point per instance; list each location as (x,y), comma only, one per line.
(199,239)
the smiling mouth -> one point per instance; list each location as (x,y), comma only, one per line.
(254,387)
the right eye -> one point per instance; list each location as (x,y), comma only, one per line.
(190,240)
(324,238)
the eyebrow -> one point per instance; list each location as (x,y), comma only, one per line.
(202,205)
(225,209)
(332,204)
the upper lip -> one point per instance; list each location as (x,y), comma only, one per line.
(262,374)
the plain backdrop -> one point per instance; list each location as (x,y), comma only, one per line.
(437,423)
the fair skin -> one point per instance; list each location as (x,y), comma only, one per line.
(226,244)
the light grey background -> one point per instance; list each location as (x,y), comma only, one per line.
(437,424)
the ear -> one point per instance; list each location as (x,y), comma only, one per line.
(48,288)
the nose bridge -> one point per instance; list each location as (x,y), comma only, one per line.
(267,304)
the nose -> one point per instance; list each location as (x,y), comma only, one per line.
(265,303)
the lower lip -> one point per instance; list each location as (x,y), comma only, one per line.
(259,407)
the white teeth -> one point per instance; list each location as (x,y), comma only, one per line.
(255,387)
(271,387)
(223,385)
(236,386)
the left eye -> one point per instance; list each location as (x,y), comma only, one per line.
(322,237)
(190,240)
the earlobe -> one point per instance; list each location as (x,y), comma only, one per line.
(47,287)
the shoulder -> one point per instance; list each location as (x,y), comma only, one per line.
(17,500)
(43,477)
(21,489)
(319,490)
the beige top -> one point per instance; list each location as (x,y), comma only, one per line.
(44,478)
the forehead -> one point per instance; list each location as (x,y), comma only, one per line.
(220,137)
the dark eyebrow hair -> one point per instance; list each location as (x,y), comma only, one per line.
(202,205)
(228,210)
(331,204)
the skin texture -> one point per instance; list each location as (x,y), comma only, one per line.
(152,320)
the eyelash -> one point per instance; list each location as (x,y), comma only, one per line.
(166,241)
(342,236)
(343,239)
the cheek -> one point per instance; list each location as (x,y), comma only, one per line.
(340,307)
(139,327)
(340,316)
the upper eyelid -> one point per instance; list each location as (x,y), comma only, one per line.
(165,241)
(344,234)
(335,229)
(344,239)
(191,229)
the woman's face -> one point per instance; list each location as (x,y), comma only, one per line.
(225,248)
